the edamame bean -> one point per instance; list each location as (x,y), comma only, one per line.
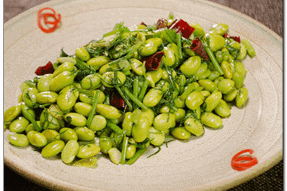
(164,121)
(69,151)
(225,85)
(44,82)
(108,79)
(12,112)
(231,96)
(36,139)
(211,120)
(66,66)
(62,80)
(27,84)
(238,79)
(242,53)
(207,84)
(84,134)
(169,58)
(191,66)
(98,61)
(75,119)
(152,97)
(31,127)
(19,140)
(157,137)
(98,123)
(67,97)
(66,59)
(92,81)
(198,30)
(137,66)
(222,109)
(29,96)
(67,134)
(131,151)
(194,100)
(89,98)
(51,135)
(249,48)
(105,144)
(108,111)
(201,71)
(219,29)
(194,126)
(53,148)
(48,121)
(46,97)
(19,125)
(115,155)
(83,108)
(140,129)
(89,150)
(150,46)
(227,72)
(82,54)
(180,133)
(241,97)
(205,93)
(127,123)
(179,114)
(212,101)
(216,42)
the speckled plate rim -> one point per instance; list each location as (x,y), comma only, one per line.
(48,181)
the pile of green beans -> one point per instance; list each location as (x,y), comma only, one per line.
(69,113)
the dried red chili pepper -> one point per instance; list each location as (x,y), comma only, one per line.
(241,163)
(117,101)
(236,38)
(198,48)
(161,23)
(48,28)
(181,27)
(142,23)
(153,62)
(47,69)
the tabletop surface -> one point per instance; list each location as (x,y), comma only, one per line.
(267,12)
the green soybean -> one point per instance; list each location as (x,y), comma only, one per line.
(83,108)
(180,133)
(88,150)
(241,97)
(157,137)
(19,125)
(222,109)
(67,134)
(194,100)
(105,144)
(225,85)
(212,101)
(44,82)
(19,140)
(194,126)
(98,123)
(211,120)
(82,54)
(164,121)
(67,97)
(66,66)
(70,151)
(98,61)
(62,80)
(191,66)
(75,119)
(36,139)
(51,135)
(53,148)
(84,134)
(92,81)
(46,97)
(12,112)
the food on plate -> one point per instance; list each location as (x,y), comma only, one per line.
(134,88)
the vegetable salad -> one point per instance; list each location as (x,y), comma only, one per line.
(136,87)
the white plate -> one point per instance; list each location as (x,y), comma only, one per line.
(202,163)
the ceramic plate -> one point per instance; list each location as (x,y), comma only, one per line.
(201,163)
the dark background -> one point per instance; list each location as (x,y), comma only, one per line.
(267,12)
